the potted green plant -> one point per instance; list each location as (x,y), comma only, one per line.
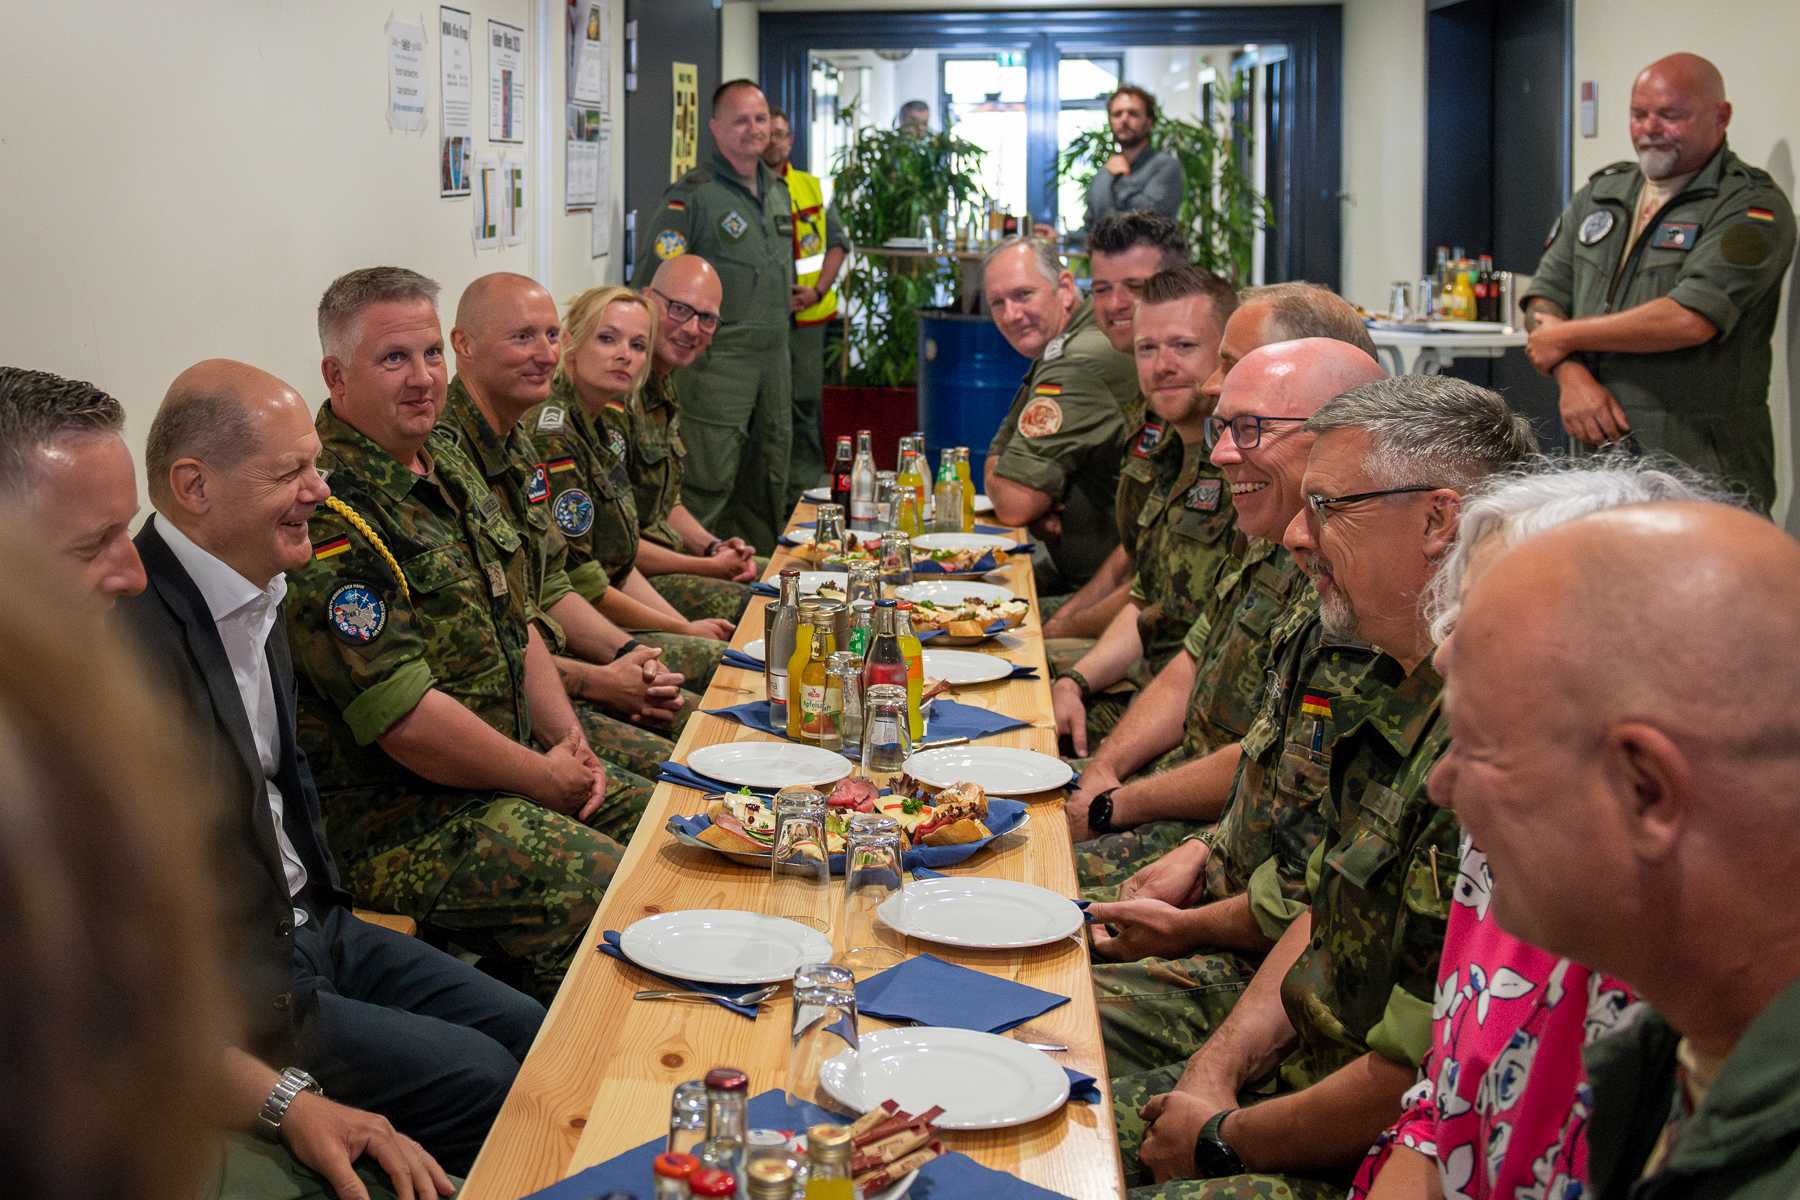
(1219,208)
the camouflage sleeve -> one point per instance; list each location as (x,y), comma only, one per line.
(1273,902)
(1555,277)
(1068,420)
(668,234)
(1194,643)
(1404,1031)
(571,503)
(354,631)
(1741,256)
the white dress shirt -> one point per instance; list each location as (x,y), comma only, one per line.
(244,614)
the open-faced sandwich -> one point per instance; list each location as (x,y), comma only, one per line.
(970,618)
(743,823)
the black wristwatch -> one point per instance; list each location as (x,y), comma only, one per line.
(1213,1156)
(1099,819)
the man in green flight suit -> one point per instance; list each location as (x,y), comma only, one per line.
(1655,301)
(423,679)
(1054,462)
(1342,1005)
(738,399)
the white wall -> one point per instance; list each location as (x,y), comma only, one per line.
(183,182)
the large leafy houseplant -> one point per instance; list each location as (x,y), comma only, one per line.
(883,184)
(1220,210)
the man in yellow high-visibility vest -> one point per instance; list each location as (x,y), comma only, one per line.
(819,250)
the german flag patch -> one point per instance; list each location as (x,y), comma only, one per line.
(1315,704)
(556,465)
(678,205)
(324,550)
(1760,214)
(1047,389)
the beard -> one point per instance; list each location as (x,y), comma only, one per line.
(1657,162)
(1337,617)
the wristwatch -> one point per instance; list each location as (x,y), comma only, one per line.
(1099,819)
(1213,1156)
(293,1081)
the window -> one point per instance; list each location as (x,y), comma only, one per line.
(984,102)
(1083,83)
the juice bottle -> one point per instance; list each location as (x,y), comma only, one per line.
(914,653)
(885,663)
(806,706)
(910,471)
(947,517)
(962,472)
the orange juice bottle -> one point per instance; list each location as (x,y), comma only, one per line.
(914,653)
(962,473)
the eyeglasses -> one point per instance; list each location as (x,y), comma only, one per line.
(1246,431)
(680,314)
(1321,507)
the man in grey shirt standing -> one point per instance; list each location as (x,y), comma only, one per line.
(1136,177)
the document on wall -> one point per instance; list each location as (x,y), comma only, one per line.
(406,75)
(684,143)
(581,158)
(590,44)
(456,98)
(506,82)
(487,206)
(600,235)
(512,201)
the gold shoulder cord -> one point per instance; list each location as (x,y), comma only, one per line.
(363,527)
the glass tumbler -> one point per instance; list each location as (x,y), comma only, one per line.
(800,861)
(896,561)
(872,875)
(887,491)
(844,677)
(687,1118)
(828,530)
(886,734)
(865,583)
(823,1049)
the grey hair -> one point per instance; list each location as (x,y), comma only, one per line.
(344,301)
(37,408)
(1430,429)
(1543,493)
(1303,310)
(213,426)
(1042,253)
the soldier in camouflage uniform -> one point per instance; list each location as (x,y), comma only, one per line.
(1358,971)
(412,631)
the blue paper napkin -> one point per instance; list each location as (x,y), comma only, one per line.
(927,873)
(1082,1088)
(925,635)
(1003,817)
(681,775)
(931,991)
(1023,671)
(761,588)
(948,719)
(742,661)
(727,993)
(950,1177)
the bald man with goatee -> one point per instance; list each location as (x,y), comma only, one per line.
(1655,302)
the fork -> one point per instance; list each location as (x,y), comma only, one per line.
(757,997)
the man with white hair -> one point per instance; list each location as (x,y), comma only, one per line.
(1638,814)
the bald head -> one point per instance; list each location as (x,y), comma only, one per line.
(1678,115)
(689,287)
(491,297)
(508,341)
(1296,378)
(214,411)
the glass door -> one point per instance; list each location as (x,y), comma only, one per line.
(984,101)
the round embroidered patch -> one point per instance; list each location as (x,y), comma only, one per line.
(574,512)
(1595,226)
(357,613)
(1041,418)
(670,244)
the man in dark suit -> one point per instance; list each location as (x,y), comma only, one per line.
(411,1043)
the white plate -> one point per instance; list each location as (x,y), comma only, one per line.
(721,945)
(768,764)
(862,537)
(818,495)
(942,592)
(754,649)
(982,503)
(982,1080)
(987,914)
(1000,770)
(962,541)
(965,666)
(812,581)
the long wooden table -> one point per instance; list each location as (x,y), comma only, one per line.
(598,1079)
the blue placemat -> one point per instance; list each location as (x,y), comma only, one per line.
(761,588)
(925,635)
(949,719)
(951,1177)
(1003,817)
(727,993)
(930,991)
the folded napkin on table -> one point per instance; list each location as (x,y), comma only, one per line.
(765,589)
(950,1177)
(726,994)
(1082,1088)
(682,775)
(742,661)
(931,991)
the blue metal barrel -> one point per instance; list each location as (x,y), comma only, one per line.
(967,378)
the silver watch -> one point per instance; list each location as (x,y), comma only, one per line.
(293,1081)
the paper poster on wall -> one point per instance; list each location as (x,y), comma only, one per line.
(456,100)
(406,75)
(590,44)
(600,233)
(487,206)
(512,200)
(506,82)
(581,158)
(684,144)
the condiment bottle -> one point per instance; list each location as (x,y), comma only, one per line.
(770,1179)
(947,516)
(828,1148)
(727,1113)
(806,676)
(781,622)
(672,1172)
(914,653)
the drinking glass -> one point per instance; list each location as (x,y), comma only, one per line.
(824,1027)
(887,491)
(872,874)
(687,1118)
(828,530)
(896,561)
(865,583)
(845,677)
(799,861)
(887,732)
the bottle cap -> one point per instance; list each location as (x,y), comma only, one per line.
(828,1143)
(884,604)
(727,1079)
(675,1166)
(710,1181)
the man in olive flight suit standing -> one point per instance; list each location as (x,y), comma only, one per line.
(737,401)
(1655,301)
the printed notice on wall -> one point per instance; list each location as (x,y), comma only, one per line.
(684,144)
(506,82)
(512,204)
(581,158)
(600,232)
(456,97)
(486,182)
(590,33)
(406,75)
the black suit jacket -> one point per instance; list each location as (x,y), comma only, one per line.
(184,653)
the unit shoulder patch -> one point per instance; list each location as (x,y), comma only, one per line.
(357,613)
(538,489)
(1675,235)
(670,244)
(1041,418)
(574,512)
(1148,438)
(1204,496)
